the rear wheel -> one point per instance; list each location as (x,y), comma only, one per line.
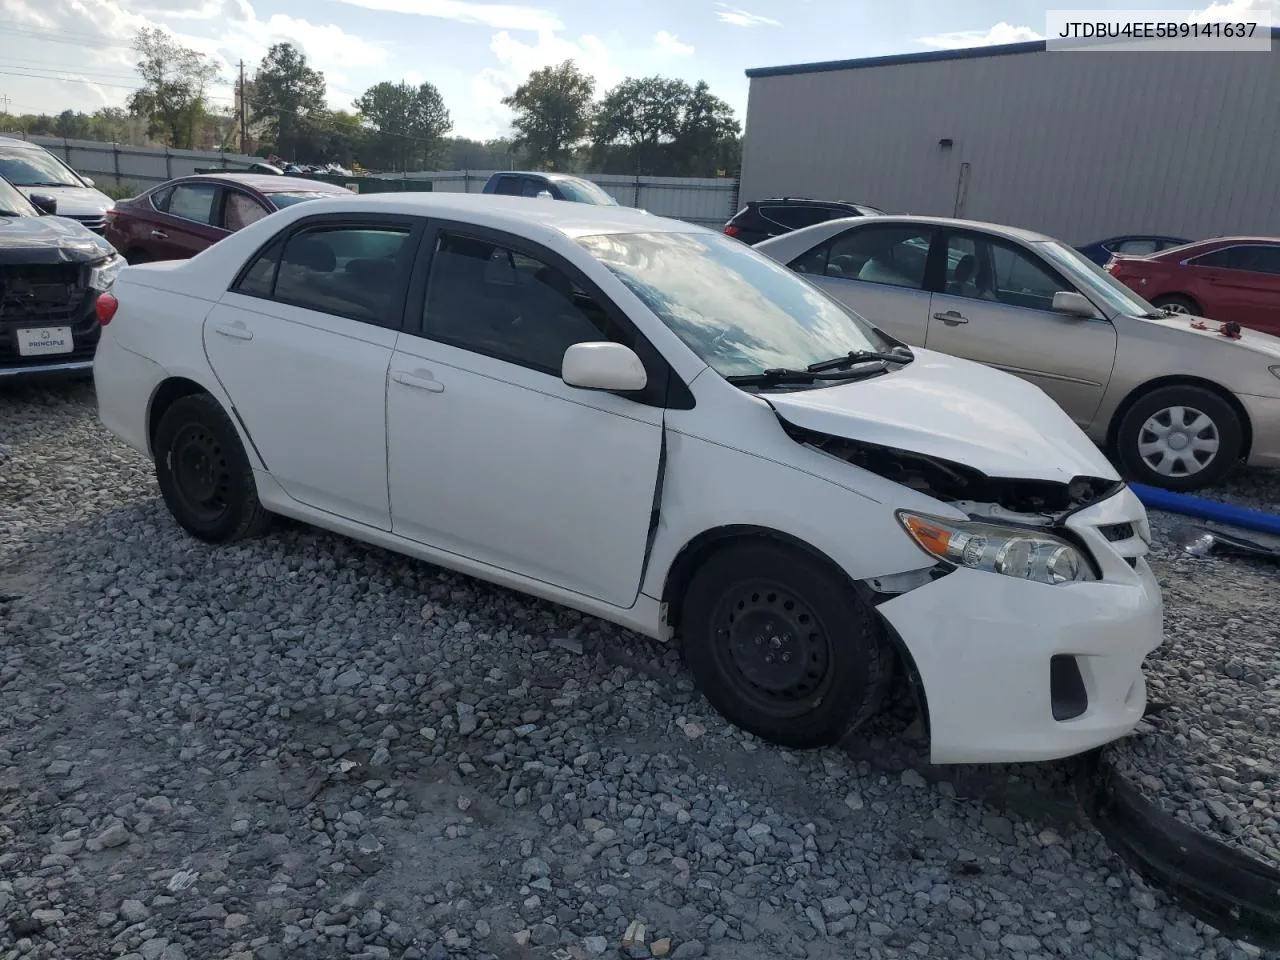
(1177,304)
(782,646)
(1180,438)
(204,475)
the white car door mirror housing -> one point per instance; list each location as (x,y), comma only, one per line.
(1076,304)
(603,366)
(545,195)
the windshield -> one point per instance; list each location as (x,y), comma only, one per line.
(584,191)
(1095,281)
(739,311)
(35,168)
(282,200)
(14,203)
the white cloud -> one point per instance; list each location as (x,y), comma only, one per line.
(740,18)
(669,45)
(1000,33)
(1236,10)
(499,15)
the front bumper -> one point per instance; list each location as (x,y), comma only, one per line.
(984,647)
(1264,419)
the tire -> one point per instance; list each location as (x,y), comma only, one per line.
(134,257)
(1154,413)
(773,591)
(204,475)
(1178,304)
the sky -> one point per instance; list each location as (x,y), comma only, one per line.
(75,54)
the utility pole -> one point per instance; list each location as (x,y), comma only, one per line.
(5,100)
(244,114)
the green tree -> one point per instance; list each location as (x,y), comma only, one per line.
(288,98)
(707,136)
(410,122)
(175,79)
(553,113)
(640,115)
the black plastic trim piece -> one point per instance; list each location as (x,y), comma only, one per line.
(1237,894)
(1067,693)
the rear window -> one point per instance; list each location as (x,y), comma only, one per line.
(797,216)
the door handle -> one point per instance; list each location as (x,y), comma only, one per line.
(951,318)
(419,381)
(159,235)
(237,331)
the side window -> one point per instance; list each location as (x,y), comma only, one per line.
(1136,247)
(984,269)
(160,199)
(509,186)
(534,187)
(796,216)
(240,210)
(895,255)
(1216,258)
(1255,258)
(259,279)
(347,271)
(505,304)
(193,201)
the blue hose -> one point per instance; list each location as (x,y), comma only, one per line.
(1157,499)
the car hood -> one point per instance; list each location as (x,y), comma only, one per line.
(26,240)
(75,201)
(955,410)
(1181,325)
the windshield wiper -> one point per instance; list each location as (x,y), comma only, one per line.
(781,375)
(860,356)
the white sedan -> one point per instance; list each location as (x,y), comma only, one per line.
(652,423)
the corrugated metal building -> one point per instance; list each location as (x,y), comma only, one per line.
(1081,145)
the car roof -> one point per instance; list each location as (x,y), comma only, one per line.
(520,215)
(999,229)
(21,144)
(821,203)
(544,174)
(267,182)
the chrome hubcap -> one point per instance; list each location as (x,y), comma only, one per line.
(1176,308)
(1178,441)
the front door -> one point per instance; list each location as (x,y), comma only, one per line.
(302,345)
(491,455)
(996,307)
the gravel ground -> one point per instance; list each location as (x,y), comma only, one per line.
(303,747)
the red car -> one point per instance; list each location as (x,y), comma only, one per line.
(178,219)
(1227,278)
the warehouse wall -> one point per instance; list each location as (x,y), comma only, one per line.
(1079,145)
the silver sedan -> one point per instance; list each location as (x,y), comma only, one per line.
(1178,399)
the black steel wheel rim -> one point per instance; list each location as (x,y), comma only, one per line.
(773,648)
(201,476)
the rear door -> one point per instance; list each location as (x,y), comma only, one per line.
(878,270)
(302,342)
(994,304)
(1247,289)
(188,223)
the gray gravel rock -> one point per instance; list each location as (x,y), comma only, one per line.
(300,746)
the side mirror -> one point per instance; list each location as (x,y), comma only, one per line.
(44,203)
(545,195)
(88,181)
(1076,304)
(603,366)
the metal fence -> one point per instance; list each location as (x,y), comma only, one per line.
(709,201)
(706,201)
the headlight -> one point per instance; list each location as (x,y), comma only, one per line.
(102,276)
(1026,554)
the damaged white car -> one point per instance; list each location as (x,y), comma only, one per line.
(652,423)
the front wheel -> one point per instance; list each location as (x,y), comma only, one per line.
(781,645)
(1177,304)
(205,478)
(1180,438)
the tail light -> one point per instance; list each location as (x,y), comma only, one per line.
(731,230)
(111,215)
(106,307)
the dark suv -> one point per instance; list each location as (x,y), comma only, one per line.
(761,219)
